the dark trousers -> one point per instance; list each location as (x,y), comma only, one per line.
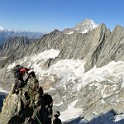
(19,82)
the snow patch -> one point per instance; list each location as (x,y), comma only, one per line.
(20,61)
(113,69)
(71,112)
(118,117)
(10,66)
(3,91)
(37,60)
(58,104)
(67,70)
(102,101)
(70,32)
(52,53)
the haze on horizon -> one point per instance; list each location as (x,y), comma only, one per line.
(47,15)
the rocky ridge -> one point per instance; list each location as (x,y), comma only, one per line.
(81,45)
(29,106)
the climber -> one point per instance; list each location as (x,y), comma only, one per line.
(57,120)
(19,72)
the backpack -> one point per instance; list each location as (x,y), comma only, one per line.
(16,71)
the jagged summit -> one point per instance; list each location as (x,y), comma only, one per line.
(82,27)
(85,26)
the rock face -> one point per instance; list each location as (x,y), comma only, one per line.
(113,48)
(97,47)
(29,106)
(81,45)
(12,44)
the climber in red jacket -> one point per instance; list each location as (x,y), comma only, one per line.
(19,72)
(23,71)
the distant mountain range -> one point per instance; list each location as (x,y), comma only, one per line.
(82,27)
(5,34)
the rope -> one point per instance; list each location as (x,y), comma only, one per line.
(34,110)
(36,115)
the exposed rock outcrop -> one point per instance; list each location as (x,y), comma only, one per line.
(113,48)
(29,106)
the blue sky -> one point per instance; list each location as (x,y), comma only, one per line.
(47,15)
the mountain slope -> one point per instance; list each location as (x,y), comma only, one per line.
(74,90)
(82,71)
(81,45)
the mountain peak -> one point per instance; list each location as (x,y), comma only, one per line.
(83,27)
(87,20)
